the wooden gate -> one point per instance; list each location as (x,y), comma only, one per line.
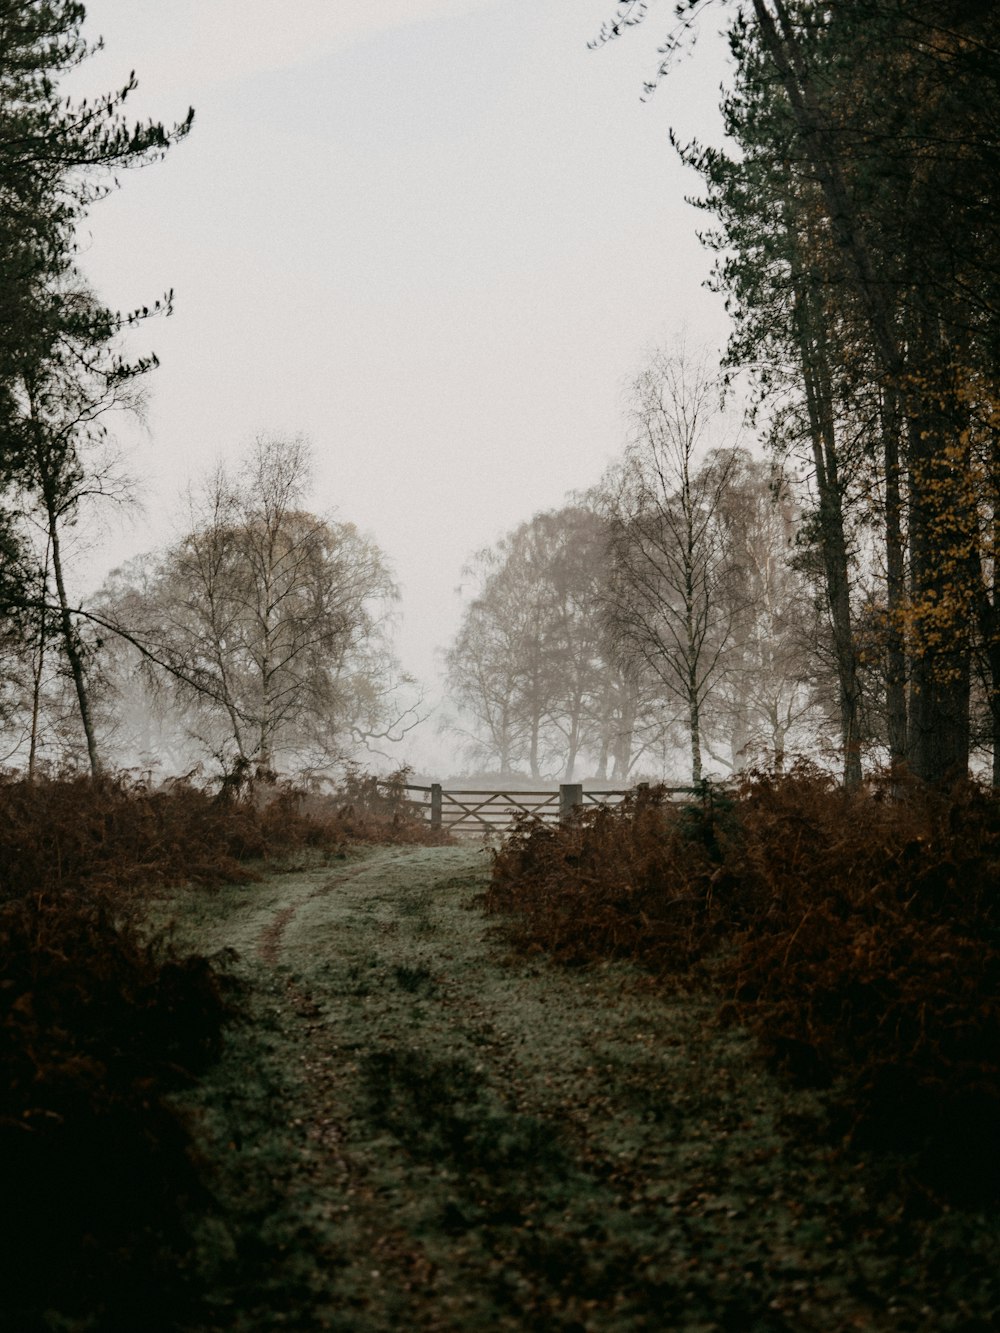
(476,811)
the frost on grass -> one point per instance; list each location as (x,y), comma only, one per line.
(419,1130)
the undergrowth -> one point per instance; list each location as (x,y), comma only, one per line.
(369,809)
(117,834)
(99,1027)
(857,935)
(96,1032)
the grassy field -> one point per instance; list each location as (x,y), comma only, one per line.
(413,1128)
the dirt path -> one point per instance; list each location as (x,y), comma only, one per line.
(417,1131)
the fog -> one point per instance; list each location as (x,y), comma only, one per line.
(436,239)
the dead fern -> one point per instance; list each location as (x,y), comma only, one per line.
(856,933)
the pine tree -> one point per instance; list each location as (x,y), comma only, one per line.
(60,363)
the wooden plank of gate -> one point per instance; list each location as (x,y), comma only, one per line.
(480,811)
(551,799)
(468,811)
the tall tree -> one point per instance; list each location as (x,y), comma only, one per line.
(672,605)
(60,361)
(775,266)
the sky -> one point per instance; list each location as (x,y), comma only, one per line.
(437,237)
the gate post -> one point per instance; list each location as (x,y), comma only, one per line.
(570,799)
(435,805)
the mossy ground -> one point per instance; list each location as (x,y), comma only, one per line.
(412,1128)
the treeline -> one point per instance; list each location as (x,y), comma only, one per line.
(661,623)
(855,217)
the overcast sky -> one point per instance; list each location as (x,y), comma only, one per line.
(435,236)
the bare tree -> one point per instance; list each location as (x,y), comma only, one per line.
(672,606)
(527,667)
(778,684)
(271,622)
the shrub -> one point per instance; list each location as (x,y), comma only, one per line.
(95,1032)
(856,933)
(629,881)
(872,962)
(116,834)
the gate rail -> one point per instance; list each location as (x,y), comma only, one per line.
(475,810)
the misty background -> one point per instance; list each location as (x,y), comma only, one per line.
(436,239)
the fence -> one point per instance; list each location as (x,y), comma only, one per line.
(491,811)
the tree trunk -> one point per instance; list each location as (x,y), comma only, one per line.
(533,747)
(778,732)
(623,740)
(601,771)
(941,606)
(739,738)
(37,669)
(945,571)
(993,663)
(833,542)
(989,612)
(694,719)
(572,745)
(70,641)
(895,684)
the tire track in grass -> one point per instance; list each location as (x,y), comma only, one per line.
(419,1131)
(269,942)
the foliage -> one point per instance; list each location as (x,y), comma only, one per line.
(609,884)
(366,808)
(96,1031)
(57,157)
(121,836)
(856,935)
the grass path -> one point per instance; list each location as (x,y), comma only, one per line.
(417,1131)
